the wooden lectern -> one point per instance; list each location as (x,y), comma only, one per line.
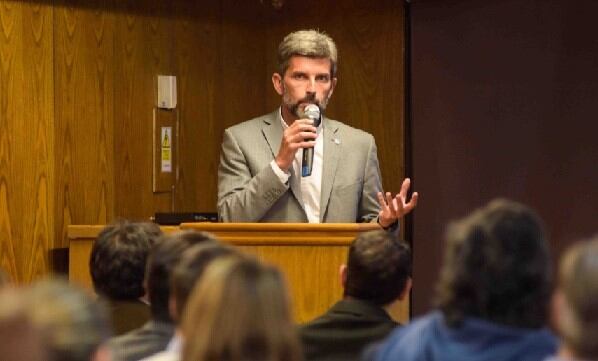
(308,254)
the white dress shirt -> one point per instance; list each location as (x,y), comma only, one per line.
(172,353)
(311,186)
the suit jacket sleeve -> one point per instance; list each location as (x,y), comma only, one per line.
(372,184)
(368,205)
(243,197)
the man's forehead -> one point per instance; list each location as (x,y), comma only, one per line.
(299,62)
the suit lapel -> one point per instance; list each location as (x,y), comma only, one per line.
(332,151)
(272,131)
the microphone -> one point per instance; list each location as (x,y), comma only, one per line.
(312,112)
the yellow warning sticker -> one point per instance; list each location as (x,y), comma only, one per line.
(166,150)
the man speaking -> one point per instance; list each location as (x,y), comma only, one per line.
(297,165)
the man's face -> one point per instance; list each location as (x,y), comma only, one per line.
(306,81)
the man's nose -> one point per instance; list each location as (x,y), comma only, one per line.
(311,86)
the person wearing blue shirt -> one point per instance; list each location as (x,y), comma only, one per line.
(492,296)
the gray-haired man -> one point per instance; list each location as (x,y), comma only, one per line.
(260,173)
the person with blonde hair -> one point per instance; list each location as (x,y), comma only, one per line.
(574,303)
(21,340)
(239,310)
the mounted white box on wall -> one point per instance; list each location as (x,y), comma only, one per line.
(166,92)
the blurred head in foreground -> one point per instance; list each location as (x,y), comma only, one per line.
(496,267)
(575,300)
(239,311)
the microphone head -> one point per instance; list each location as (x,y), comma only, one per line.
(312,112)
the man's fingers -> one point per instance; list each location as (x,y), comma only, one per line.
(307,135)
(412,202)
(405,188)
(306,124)
(300,137)
(391,206)
(398,205)
(309,144)
(382,201)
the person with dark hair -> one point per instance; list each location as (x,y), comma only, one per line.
(184,277)
(574,303)
(117,265)
(154,335)
(492,295)
(377,273)
(262,177)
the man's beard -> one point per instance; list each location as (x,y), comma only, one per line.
(293,107)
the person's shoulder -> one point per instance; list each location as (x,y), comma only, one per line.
(545,339)
(315,323)
(149,332)
(254,123)
(350,131)
(407,339)
(419,325)
(126,339)
(163,356)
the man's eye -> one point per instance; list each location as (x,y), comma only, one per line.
(299,76)
(322,78)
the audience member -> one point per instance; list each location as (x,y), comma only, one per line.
(377,273)
(21,341)
(74,326)
(239,312)
(154,335)
(492,294)
(117,265)
(575,305)
(184,277)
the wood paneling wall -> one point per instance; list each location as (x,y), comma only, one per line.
(26,138)
(84,116)
(77,89)
(502,109)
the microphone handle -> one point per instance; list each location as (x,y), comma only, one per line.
(307,162)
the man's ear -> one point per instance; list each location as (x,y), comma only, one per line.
(277,82)
(342,274)
(333,86)
(405,292)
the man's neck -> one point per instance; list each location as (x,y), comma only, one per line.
(386,307)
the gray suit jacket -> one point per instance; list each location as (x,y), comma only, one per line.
(249,191)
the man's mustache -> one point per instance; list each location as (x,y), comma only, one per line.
(310,98)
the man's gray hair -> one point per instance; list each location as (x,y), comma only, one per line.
(309,43)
